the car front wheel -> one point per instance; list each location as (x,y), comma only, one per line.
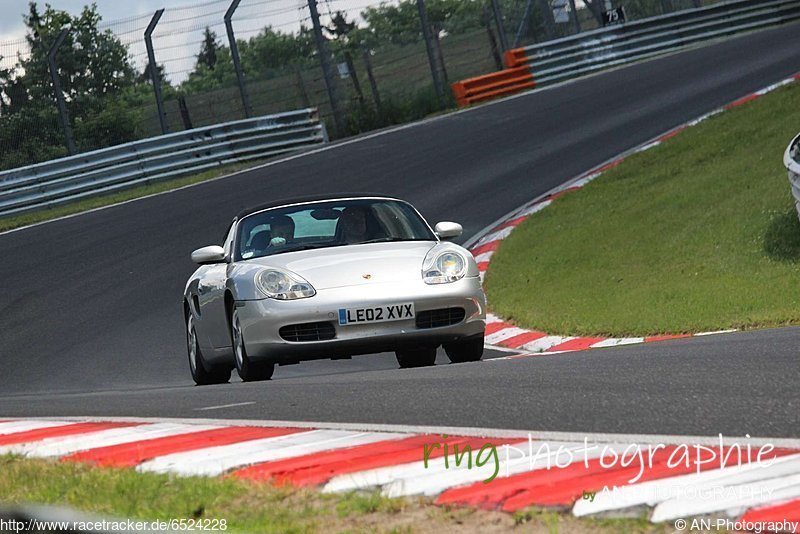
(465,350)
(249,370)
(203,374)
(416,357)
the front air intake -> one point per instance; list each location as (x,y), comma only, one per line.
(440,317)
(308,332)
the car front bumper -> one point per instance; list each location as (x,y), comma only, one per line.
(261,320)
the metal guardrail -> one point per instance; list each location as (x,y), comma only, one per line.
(587,52)
(64,180)
(791,159)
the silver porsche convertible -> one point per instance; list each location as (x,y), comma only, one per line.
(317,278)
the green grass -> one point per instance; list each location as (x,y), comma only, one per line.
(127,494)
(250,507)
(15,221)
(553,522)
(696,234)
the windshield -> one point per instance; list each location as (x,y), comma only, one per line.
(328,224)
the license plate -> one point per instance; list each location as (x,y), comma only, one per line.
(376,314)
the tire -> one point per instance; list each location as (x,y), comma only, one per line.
(416,357)
(249,371)
(203,374)
(465,350)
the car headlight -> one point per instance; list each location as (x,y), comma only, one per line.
(282,285)
(445,267)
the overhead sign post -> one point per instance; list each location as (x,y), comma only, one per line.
(69,140)
(237,63)
(154,74)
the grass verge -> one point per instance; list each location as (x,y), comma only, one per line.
(247,507)
(25,219)
(696,234)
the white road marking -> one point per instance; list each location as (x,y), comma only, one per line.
(504,334)
(544,343)
(64,445)
(12,427)
(492,318)
(648,146)
(221,406)
(496,236)
(213,461)
(484,257)
(616,341)
(585,180)
(539,206)
(716,332)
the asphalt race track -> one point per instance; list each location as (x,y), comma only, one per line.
(91,323)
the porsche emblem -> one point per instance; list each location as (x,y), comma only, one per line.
(366,276)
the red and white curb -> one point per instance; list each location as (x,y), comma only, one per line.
(752,481)
(502,334)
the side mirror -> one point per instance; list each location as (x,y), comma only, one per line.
(448,230)
(209,255)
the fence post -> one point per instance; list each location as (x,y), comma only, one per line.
(69,141)
(574,10)
(151,58)
(547,16)
(237,64)
(498,18)
(486,21)
(185,117)
(523,24)
(327,70)
(426,33)
(437,48)
(372,83)
(348,57)
(301,86)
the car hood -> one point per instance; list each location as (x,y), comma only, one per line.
(354,264)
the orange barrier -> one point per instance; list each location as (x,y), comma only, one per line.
(515,57)
(496,84)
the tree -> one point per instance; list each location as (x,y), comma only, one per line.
(12,93)
(396,24)
(91,63)
(344,36)
(95,73)
(399,24)
(271,52)
(146,76)
(202,78)
(266,55)
(208,50)
(339,27)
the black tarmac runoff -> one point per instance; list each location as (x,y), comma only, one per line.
(91,321)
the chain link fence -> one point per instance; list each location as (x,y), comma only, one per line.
(381,70)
